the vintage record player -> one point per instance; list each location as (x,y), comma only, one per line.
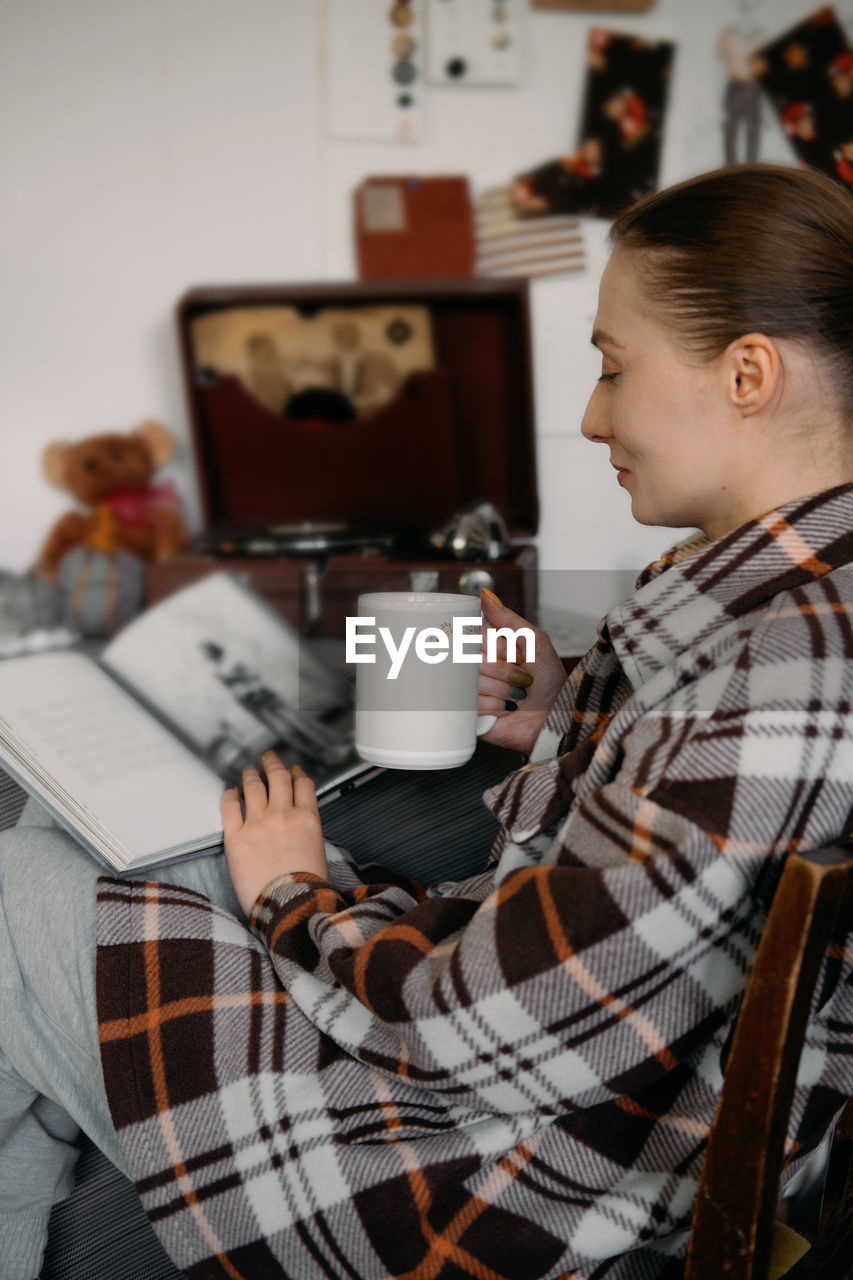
(342,432)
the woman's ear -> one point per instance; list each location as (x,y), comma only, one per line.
(753,368)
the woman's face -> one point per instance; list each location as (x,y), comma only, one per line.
(665,417)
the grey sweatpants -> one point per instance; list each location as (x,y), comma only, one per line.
(51,1084)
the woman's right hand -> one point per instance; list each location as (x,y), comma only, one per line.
(521,693)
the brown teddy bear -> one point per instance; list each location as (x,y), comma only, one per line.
(111,475)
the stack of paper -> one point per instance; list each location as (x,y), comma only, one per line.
(510,245)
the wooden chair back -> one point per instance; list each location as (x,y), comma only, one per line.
(736,1205)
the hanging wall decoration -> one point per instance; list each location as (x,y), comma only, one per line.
(737,48)
(617,155)
(808,75)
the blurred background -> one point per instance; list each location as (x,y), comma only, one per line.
(150,147)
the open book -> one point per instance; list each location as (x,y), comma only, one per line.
(129,752)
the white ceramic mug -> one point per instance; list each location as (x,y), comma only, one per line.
(416,709)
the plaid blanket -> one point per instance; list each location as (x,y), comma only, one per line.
(513,1076)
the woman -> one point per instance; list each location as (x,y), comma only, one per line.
(513,1076)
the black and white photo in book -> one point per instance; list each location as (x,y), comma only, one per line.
(190,691)
(233,678)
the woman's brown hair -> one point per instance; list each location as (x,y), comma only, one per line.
(750,248)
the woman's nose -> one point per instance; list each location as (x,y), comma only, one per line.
(595,424)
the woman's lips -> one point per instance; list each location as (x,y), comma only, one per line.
(622,474)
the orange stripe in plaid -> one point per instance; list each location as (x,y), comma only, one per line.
(143,1023)
(161,1090)
(590,717)
(685,1124)
(590,985)
(325,900)
(561,946)
(795,546)
(751,848)
(387,1107)
(643,830)
(813,609)
(444,1246)
(392,933)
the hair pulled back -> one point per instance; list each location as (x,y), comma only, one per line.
(750,249)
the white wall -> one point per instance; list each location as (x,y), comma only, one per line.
(149,145)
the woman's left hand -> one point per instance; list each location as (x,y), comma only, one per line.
(280,831)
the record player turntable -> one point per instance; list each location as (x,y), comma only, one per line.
(338,428)
(301,538)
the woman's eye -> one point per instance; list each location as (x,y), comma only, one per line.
(608,377)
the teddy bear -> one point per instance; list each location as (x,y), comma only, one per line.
(111,477)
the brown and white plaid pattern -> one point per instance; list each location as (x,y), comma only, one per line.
(513,1077)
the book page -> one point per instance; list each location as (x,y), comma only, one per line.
(233,677)
(68,730)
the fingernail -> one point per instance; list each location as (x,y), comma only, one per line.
(296,768)
(510,706)
(516,693)
(522,679)
(492,596)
